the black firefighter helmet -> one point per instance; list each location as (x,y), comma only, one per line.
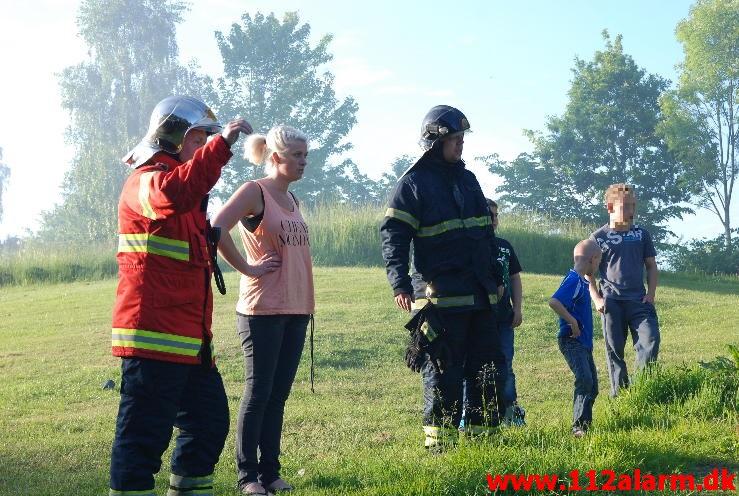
(440,122)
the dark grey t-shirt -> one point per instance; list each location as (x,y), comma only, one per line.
(622,265)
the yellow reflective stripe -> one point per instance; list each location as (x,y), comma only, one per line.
(402,215)
(451,224)
(440,228)
(160,239)
(451,301)
(184,482)
(158,245)
(156,341)
(144,187)
(478,430)
(189,486)
(418,304)
(445,301)
(157,334)
(436,435)
(478,221)
(154,347)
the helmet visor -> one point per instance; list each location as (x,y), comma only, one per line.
(207,123)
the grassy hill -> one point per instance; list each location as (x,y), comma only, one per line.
(360,432)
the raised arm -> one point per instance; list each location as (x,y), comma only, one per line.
(171,192)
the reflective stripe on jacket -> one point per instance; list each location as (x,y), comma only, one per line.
(440,210)
(164,303)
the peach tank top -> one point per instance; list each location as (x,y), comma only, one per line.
(289,289)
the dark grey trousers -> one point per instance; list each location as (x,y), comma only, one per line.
(621,318)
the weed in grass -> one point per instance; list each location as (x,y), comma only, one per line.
(659,395)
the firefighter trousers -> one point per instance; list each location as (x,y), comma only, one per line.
(478,362)
(155,397)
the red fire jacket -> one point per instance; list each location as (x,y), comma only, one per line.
(164,303)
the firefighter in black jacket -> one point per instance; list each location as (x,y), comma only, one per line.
(438,207)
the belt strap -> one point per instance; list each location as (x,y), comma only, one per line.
(451,301)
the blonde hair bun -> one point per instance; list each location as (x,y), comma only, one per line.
(259,148)
(255,149)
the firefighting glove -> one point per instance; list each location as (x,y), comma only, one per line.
(427,341)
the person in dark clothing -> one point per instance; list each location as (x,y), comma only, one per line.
(510,316)
(439,209)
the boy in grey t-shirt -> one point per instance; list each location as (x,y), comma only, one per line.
(622,301)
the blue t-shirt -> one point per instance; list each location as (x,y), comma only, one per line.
(622,265)
(574,294)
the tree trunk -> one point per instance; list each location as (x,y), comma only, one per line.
(727,228)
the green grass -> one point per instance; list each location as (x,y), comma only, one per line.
(360,432)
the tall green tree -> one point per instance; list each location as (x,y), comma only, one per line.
(132,65)
(606,135)
(701,123)
(273,75)
(4,176)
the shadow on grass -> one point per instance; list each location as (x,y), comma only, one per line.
(347,358)
(353,351)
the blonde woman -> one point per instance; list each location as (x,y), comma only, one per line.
(275,301)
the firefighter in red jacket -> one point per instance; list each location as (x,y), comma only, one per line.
(163,308)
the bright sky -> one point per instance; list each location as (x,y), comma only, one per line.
(506,64)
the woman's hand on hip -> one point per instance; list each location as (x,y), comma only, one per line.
(270,262)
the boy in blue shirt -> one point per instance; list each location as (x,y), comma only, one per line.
(572,303)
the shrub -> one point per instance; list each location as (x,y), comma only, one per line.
(706,256)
